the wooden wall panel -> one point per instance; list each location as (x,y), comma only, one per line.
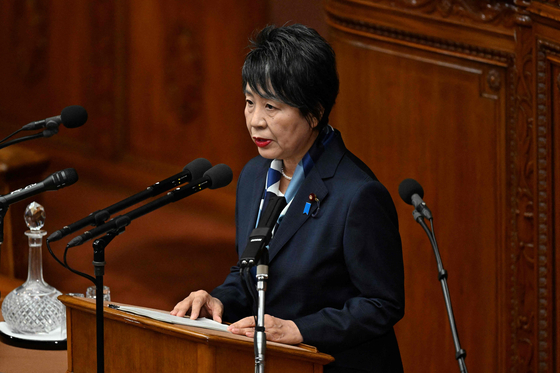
(185,93)
(412,114)
(25,41)
(160,80)
(463,97)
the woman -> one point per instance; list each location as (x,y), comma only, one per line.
(336,273)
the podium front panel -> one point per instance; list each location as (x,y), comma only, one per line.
(138,344)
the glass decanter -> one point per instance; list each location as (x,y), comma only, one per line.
(33,307)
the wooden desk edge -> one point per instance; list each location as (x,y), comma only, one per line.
(211,337)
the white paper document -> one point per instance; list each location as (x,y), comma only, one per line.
(201,322)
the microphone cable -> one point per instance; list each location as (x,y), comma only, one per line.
(13,134)
(250,288)
(65,263)
(85,275)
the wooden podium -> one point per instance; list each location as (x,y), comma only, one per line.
(139,344)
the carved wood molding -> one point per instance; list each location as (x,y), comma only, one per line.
(546,269)
(480,11)
(532,265)
(521,272)
(494,80)
(421,40)
(550,2)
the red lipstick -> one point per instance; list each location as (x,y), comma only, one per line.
(261,143)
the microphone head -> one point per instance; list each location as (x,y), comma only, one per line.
(74,116)
(408,188)
(61,179)
(220,175)
(198,167)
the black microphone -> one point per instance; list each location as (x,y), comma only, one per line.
(193,170)
(218,176)
(412,193)
(261,236)
(71,117)
(55,181)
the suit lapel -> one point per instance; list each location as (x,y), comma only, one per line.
(313,183)
(295,217)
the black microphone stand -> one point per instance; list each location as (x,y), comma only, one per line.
(3,211)
(256,252)
(45,133)
(460,354)
(99,268)
(217,177)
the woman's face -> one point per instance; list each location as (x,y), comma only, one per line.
(278,130)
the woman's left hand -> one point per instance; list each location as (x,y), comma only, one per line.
(277,330)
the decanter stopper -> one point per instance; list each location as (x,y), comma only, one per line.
(34,216)
(33,308)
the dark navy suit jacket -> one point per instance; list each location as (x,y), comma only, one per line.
(339,275)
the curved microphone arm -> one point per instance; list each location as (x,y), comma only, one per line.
(11,135)
(22,139)
(460,354)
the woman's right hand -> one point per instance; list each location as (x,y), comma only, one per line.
(202,304)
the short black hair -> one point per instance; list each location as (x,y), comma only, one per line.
(294,65)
